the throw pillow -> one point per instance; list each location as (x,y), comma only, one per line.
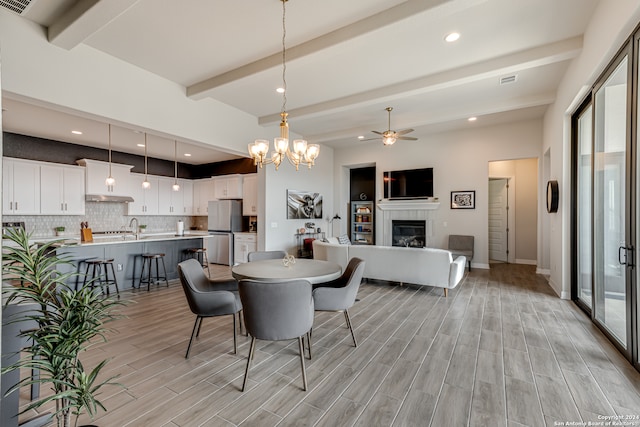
(344,240)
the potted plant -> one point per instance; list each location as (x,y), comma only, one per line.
(142,228)
(59,230)
(68,320)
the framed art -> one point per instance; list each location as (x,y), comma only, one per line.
(303,205)
(463,200)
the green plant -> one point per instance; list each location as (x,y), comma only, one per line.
(59,228)
(68,320)
(142,226)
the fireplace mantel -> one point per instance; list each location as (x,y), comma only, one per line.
(401,205)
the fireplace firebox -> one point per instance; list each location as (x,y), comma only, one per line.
(408,233)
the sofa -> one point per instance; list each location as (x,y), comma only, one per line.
(420,266)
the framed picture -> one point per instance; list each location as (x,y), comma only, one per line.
(303,205)
(463,200)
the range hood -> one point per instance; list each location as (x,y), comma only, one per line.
(107,198)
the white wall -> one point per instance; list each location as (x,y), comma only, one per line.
(272,197)
(460,162)
(610,26)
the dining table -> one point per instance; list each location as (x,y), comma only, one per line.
(274,270)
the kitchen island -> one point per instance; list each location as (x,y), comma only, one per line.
(126,252)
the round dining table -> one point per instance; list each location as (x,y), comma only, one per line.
(275,270)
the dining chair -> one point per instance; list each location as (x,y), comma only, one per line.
(276,311)
(208,297)
(340,294)
(262,255)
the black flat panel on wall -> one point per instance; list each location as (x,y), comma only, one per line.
(362,181)
(46,150)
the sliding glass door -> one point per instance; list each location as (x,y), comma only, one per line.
(583,128)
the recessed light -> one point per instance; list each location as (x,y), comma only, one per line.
(280,90)
(451,37)
(472,119)
(76,132)
(187,154)
(360,136)
(140,145)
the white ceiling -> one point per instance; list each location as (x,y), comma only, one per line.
(346,62)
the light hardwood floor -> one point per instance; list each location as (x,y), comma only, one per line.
(501,350)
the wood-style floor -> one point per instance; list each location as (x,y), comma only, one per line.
(501,350)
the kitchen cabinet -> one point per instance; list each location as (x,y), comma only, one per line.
(20,187)
(97,172)
(145,200)
(61,190)
(203,193)
(186,186)
(170,202)
(243,244)
(228,187)
(250,195)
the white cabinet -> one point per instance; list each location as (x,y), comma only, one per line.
(20,187)
(97,172)
(145,201)
(170,202)
(203,192)
(186,186)
(61,190)
(250,195)
(228,187)
(243,244)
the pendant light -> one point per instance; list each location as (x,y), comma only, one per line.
(175,186)
(145,184)
(110,181)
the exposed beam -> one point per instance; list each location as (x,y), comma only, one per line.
(371,23)
(496,67)
(83,19)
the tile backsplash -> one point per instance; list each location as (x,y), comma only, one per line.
(102,216)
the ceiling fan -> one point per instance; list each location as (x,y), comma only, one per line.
(389,136)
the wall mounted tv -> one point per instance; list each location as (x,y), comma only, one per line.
(408,184)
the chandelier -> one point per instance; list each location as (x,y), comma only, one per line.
(301,152)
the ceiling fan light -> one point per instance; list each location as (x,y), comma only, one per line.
(389,140)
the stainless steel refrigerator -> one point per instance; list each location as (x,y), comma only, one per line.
(225,217)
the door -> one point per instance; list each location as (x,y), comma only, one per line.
(612,255)
(498,219)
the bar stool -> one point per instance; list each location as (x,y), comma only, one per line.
(147,261)
(201,255)
(100,274)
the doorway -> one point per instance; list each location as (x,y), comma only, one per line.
(498,220)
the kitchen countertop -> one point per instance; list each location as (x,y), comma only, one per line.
(115,239)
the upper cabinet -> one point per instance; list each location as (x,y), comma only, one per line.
(97,172)
(186,186)
(145,200)
(228,187)
(203,192)
(250,195)
(61,190)
(20,187)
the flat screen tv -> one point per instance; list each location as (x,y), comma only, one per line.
(408,184)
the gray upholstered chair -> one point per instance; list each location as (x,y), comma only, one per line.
(276,312)
(262,255)
(340,294)
(208,298)
(461,246)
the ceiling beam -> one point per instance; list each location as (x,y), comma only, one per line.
(389,16)
(563,50)
(83,19)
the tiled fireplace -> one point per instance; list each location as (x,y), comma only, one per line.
(411,212)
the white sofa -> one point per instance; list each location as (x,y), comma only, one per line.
(421,266)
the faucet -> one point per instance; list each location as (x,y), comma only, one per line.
(137,229)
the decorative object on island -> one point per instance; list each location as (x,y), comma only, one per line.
(145,184)
(552,196)
(303,153)
(110,181)
(85,232)
(463,200)
(389,137)
(67,321)
(175,186)
(362,223)
(303,204)
(59,230)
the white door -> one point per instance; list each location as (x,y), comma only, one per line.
(498,224)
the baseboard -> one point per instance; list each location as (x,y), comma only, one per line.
(543,271)
(479,265)
(557,289)
(527,261)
